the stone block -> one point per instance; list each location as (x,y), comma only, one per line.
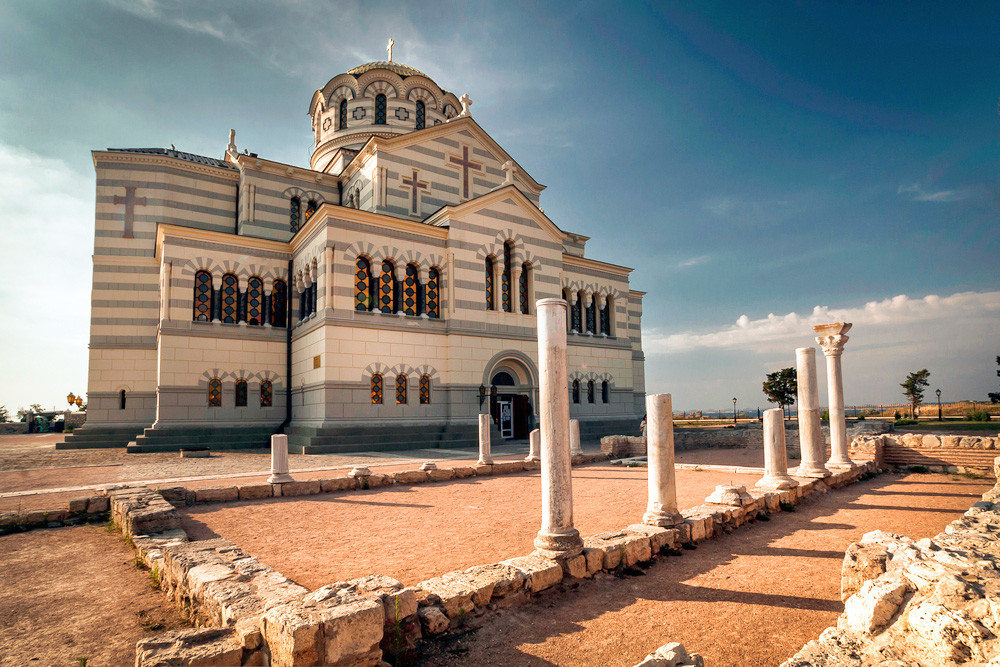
(198,646)
(672,655)
(324,628)
(870,609)
(376,480)
(507,467)
(433,620)
(410,477)
(622,548)
(352,632)
(595,560)
(697,526)
(276,490)
(98,504)
(505,579)
(337,484)
(930,441)
(541,573)
(78,505)
(462,472)
(532,465)
(452,594)
(441,475)
(141,511)
(218,494)
(658,537)
(254,491)
(484,469)
(684,536)
(575,567)
(308,487)
(398,601)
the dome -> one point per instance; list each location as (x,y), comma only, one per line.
(398,68)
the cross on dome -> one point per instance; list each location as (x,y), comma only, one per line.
(389,48)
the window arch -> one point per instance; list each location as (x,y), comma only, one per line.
(279,303)
(591,304)
(490,301)
(387,287)
(606,317)
(425,389)
(121,400)
(310,209)
(380,108)
(576,391)
(411,291)
(255,301)
(377,389)
(215,393)
(363,299)
(604,391)
(203,296)
(230,299)
(522,288)
(241,393)
(266,394)
(575,315)
(401,389)
(433,298)
(505,286)
(421,115)
(342,119)
(294,214)
(590,391)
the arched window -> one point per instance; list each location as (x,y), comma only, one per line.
(590,391)
(266,394)
(310,209)
(203,296)
(490,304)
(363,285)
(576,391)
(505,285)
(575,315)
(411,287)
(604,391)
(591,314)
(380,109)
(121,400)
(606,317)
(433,298)
(279,303)
(522,288)
(377,389)
(214,393)
(401,389)
(230,299)
(241,393)
(294,214)
(421,115)
(387,288)
(425,389)
(255,301)
(357,197)
(342,120)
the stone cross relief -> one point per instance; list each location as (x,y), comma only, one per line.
(130,201)
(465,164)
(417,186)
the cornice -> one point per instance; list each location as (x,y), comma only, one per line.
(164,230)
(448,212)
(286,170)
(165,160)
(587,263)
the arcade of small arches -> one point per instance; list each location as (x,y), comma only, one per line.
(253,300)
(507,273)
(589,313)
(240,393)
(378,385)
(591,386)
(416,294)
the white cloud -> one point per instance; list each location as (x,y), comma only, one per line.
(919,194)
(220,25)
(693,261)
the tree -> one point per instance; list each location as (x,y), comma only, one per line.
(995,395)
(4,414)
(780,387)
(913,389)
(22,413)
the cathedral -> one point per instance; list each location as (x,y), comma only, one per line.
(380,298)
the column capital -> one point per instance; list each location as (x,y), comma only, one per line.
(833,346)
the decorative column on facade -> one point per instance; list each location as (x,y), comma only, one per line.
(588,303)
(165,271)
(832,338)
(241,299)
(422,273)
(574,298)
(307,282)
(600,304)
(557,537)
(515,287)
(322,281)
(498,284)
(661,510)
(265,305)
(300,289)
(399,272)
(776,477)
(811,440)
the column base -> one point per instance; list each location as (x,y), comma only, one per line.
(840,463)
(776,483)
(558,545)
(532,459)
(280,478)
(812,471)
(662,519)
(485,462)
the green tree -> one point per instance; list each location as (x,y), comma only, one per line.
(4,414)
(913,389)
(995,395)
(780,387)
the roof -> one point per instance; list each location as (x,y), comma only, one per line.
(398,68)
(180,155)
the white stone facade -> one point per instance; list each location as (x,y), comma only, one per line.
(167,221)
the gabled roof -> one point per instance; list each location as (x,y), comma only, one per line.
(180,155)
(440,217)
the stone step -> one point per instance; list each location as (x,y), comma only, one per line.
(98,437)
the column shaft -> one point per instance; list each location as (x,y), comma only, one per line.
(574,437)
(485,456)
(838,421)
(534,445)
(775,454)
(279,459)
(811,440)
(661,510)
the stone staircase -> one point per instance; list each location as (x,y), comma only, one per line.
(215,438)
(99,437)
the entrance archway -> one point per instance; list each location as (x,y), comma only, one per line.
(511,377)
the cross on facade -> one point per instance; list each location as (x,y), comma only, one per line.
(130,201)
(416,186)
(465,165)
(389,48)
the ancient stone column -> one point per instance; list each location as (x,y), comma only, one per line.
(574,437)
(661,510)
(810,435)
(279,459)
(776,477)
(485,457)
(832,339)
(534,445)
(557,537)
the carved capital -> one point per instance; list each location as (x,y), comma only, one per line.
(833,346)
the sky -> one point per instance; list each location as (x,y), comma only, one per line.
(762,166)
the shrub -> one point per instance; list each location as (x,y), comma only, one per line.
(905,422)
(897,416)
(824,416)
(859,418)
(977,416)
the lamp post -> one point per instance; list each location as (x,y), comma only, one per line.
(734,412)
(938,392)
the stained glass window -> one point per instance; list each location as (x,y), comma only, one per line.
(421,115)
(266,393)
(203,296)
(590,391)
(604,391)
(214,393)
(433,296)
(410,285)
(522,287)
(425,389)
(606,317)
(279,303)
(255,301)
(576,391)
(489,284)
(377,389)
(401,389)
(241,393)
(574,311)
(505,285)
(591,315)
(387,288)
(363,285)
(230,299)
(380,109)
(294,214)
(342,121)
(310,209)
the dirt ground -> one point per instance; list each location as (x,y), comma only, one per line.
(753,597)
(70,593)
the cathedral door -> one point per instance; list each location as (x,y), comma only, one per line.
(521,409)
(506,407)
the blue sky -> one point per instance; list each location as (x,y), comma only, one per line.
(763,166)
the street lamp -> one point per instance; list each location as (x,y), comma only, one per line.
(79,401)
(734,412)
(938,392)
(71,399)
